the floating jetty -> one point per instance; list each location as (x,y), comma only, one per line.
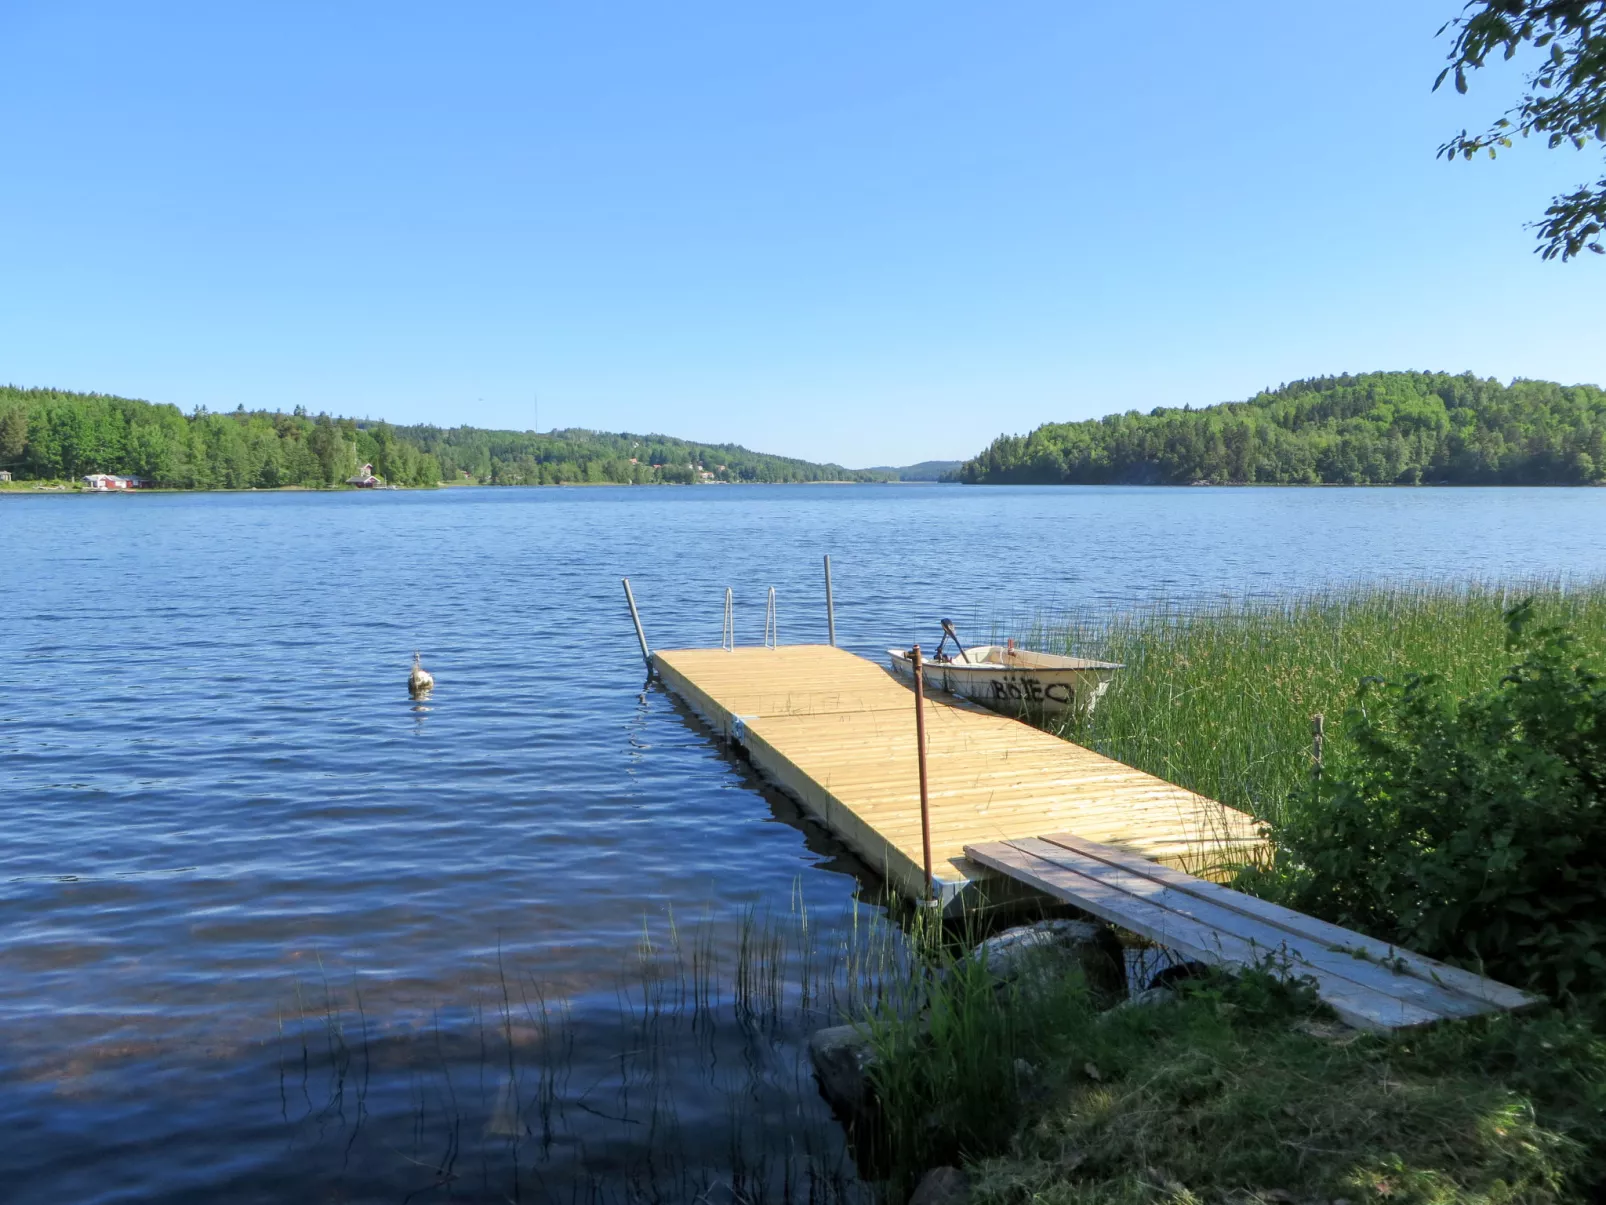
(837,732)
(997,808)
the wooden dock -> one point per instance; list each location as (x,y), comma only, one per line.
(837,732)
(1368,983)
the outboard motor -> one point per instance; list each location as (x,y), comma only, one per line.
(948,634)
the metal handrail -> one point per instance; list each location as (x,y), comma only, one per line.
(920,758)
(635,617)
(830,605)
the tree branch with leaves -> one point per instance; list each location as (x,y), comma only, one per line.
(1564,98)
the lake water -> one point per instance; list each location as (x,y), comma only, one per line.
(270,931)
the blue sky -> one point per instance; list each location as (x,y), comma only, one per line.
(872,233)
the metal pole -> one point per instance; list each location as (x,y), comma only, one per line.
(920,756)
(830,606)
(646,653)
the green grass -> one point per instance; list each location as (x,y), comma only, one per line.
(1240,1091)
(1219,698)
(1230,1094)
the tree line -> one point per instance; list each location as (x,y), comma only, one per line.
(48,434)
(1411,428)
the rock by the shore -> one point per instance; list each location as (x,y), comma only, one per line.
(941,1186)
(1180,970)
(843,1058)
(1008,954)
(1150,996)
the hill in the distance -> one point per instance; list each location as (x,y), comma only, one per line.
(1372,429)
(926,470)
(50,434)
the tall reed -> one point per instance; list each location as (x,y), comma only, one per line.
(1219,697)
(958,1050)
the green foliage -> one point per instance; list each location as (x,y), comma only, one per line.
(49,435)
(1471,829)
(13,433)
(1375,428)
(1565,99)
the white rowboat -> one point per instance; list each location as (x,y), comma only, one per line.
(1014,680)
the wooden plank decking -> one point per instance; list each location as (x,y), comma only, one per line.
(1370,984)
(838,733)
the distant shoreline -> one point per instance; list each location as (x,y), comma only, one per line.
(29,488)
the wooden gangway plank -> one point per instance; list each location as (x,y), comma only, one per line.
(837,732)
(1369,984)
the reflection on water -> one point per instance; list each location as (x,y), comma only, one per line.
(271,930)
(694,1088)
(688,1083)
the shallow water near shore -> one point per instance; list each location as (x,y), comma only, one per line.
(270,930)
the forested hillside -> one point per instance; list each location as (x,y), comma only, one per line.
(1375,428)
(48,434)
(926,470)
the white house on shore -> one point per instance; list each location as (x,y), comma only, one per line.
(106,483)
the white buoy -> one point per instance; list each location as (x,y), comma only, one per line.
(420,682)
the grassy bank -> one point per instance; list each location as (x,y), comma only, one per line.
(1243,1091)
(1219,698)
(1481,791)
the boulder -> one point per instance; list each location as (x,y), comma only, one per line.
(1149,996)
(941,1186)
(1008,954)
(843,1058)
(1179,970)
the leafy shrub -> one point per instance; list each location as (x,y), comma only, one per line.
(1470,829)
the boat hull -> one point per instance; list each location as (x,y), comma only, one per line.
(1016,682)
